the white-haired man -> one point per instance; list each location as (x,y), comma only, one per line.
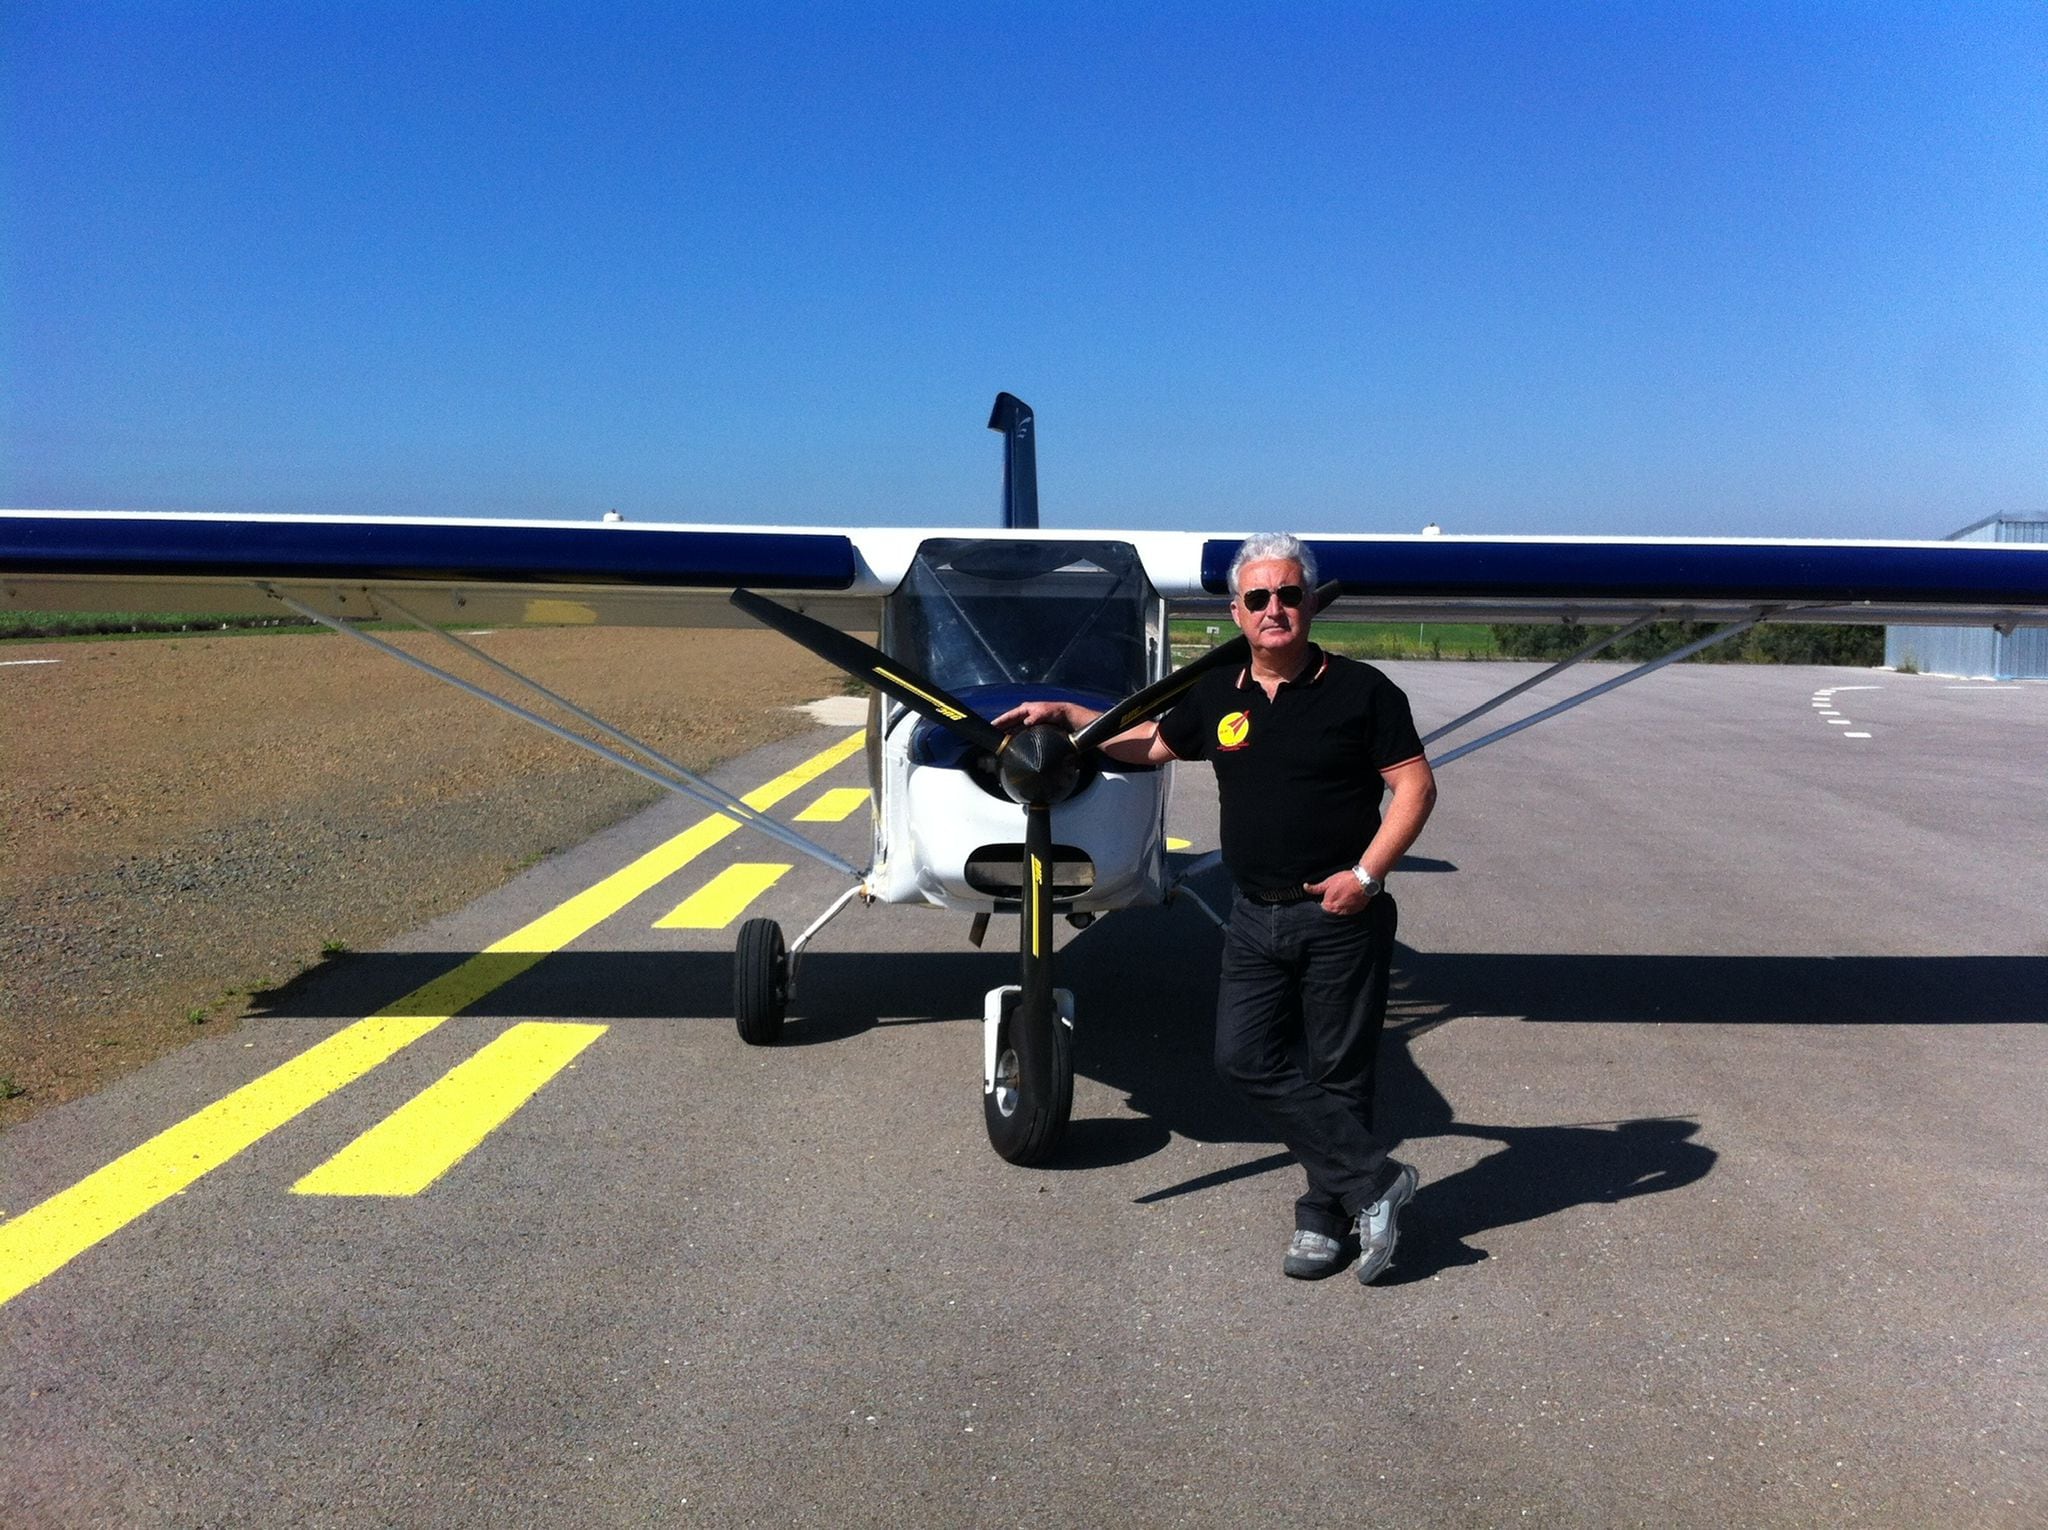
(1303,743)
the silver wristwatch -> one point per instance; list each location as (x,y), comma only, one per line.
(1368,881)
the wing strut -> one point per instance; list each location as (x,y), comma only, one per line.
(1181,889)
(663,772)
(1718,635)
(1598,645)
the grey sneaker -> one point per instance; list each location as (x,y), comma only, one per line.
(1312,1255)
(1379,1226)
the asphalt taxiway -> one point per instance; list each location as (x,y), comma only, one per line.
(1718,1039)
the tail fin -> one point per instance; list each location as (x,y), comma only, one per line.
(1012,416)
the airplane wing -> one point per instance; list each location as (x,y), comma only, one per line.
(447,570)
(489,572)
(1618,579)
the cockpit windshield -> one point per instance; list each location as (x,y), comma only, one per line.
(1069,615)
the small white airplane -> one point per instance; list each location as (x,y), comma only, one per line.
(970,622)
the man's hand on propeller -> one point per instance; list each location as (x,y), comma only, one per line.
(1059,714)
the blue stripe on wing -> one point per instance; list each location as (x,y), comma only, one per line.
(1958,574)
(647,557)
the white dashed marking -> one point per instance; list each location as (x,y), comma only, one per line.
(17,663)
(1823,706)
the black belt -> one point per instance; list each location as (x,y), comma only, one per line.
(1275,899)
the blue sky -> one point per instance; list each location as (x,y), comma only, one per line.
(1757,270)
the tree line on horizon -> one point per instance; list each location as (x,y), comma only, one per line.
(1769,643)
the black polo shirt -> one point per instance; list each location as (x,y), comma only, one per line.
(1298,776)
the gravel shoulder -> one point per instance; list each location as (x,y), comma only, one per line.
(187,822)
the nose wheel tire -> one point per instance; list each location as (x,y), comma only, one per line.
(1023,1128)
(760,983)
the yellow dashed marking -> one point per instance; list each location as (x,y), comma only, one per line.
(834,806)
(588,909)
(1178,844)
(46,1237)
(722,899)
(50,1235)
(433,1131)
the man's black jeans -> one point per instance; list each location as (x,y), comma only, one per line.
(1299,1010)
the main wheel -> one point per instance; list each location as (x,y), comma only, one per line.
(760,983)
(1023,1129)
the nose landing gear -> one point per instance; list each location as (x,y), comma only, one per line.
(1025,1120)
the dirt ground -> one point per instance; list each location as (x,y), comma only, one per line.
(185,822)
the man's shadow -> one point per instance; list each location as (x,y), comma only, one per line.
(1538,1171)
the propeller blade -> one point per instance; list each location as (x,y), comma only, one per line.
(1161,694)
(866,662)
(1034,1017)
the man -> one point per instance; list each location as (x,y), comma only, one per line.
(1302,742)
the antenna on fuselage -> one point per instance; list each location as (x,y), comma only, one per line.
(1012,416)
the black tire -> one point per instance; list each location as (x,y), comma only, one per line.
(760,983)
(1025,1130)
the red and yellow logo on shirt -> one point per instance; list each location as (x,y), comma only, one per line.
(1234,731)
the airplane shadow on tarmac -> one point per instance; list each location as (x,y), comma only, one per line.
(1539,1170)
(1146,1027)
(1144,982)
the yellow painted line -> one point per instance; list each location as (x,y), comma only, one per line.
(438,1127)
(51,1234)
(1178,844)
(588,909)
(722,899)
(48,1236)
(834,806)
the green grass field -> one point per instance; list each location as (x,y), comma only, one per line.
(103,626)
(1360,640)
(115,626)
(1369,640)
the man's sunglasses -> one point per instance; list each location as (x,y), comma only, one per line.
(1255,600)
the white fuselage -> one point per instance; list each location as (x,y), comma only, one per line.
(935,830)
